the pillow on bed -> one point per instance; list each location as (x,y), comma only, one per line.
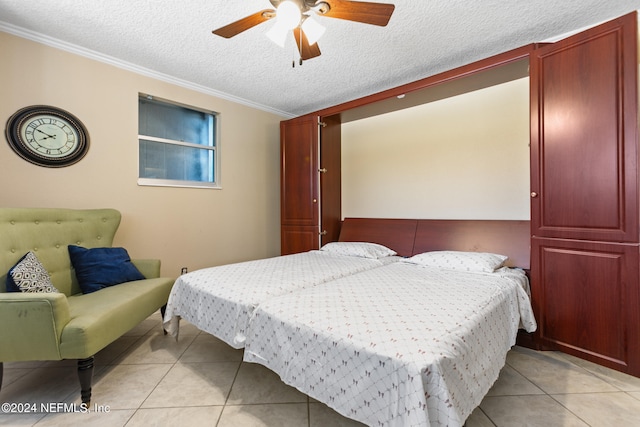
(463,261)
(359,249)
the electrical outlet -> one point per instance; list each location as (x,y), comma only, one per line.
(184,270)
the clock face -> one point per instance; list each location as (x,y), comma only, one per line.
(47,136)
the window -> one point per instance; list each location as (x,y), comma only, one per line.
(178,145)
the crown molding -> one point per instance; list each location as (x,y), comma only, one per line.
(97,56)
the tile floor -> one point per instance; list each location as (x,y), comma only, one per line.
(148,379)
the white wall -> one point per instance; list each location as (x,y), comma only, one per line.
(463,157)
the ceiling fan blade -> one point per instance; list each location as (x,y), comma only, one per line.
(244,24)
(307,51)
(360,11)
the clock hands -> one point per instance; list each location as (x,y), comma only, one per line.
(48,136)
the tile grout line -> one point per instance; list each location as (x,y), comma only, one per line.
(226,400)
(486,415)
(569,410)
(159,381)
(584,371)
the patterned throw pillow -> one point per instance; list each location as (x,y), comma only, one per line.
(29,275)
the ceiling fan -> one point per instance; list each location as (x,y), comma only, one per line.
(297,16)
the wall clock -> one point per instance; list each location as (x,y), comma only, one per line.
(47,136)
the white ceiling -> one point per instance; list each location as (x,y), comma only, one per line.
(172,40)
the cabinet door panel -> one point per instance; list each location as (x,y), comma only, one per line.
(297,239)
(330,180)
(583,135)
(299,171)
(585,297)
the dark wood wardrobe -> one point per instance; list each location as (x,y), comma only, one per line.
(584,195)
(585,233)
(309,183)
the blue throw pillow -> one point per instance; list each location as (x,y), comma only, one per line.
(99,268)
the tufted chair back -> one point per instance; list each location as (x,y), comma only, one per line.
(47,232)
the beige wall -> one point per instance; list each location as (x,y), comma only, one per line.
(463,157)
(181,226)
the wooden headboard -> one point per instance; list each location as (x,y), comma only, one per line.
(396,234)
(413,236)
(511,238)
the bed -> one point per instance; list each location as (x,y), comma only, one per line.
(221,300)
(410,343)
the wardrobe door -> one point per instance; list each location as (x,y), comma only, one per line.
(330,179)
(584,135)
(586,298)
(584,209)
(299,187)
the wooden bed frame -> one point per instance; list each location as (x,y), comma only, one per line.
(413,236)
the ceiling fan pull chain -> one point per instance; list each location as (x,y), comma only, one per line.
(293,55)
(300,49)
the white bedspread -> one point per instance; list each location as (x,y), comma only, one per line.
(401,345)
(220,300)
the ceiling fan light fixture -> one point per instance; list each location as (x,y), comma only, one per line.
(288,15)
(294,16)
(312,29)
(278,34)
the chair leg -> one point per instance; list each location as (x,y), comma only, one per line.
(85,374)
(163,309)
(1,370)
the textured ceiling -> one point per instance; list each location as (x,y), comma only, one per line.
(173,38)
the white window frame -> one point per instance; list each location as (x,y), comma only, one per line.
(155,182)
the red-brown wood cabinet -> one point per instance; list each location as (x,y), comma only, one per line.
(310,149)
(584,189)
(309,182)
(585,233)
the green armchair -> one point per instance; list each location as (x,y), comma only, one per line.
(68,324)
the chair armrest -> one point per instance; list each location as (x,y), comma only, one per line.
(32,325)
(150,268)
